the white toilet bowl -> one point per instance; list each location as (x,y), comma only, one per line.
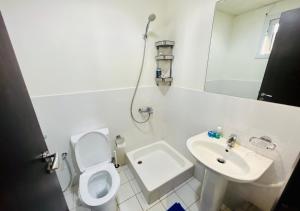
(98,186)
(99,181)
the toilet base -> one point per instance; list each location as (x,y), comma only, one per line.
(108,206)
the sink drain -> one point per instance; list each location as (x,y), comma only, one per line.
(139,162)
(221,160)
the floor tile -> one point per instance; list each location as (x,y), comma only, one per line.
(123,177)
(144,203)
(70,200)
(125,192)
(77,202)
(131,204)
(187,194)
(128,174)
(157,207)
(195,206)
(122,168)
(68,191)
(195,185)
(81,208)
(135,186)
(172,199)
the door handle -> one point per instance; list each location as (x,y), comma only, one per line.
(51,160)
(262,95)
(265,95)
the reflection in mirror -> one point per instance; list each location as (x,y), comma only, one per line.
(253,48)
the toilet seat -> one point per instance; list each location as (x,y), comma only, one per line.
(108,183)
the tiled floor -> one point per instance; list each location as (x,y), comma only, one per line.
(130,197)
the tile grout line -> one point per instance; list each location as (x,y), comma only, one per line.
(196,193)
(135,194)
(180,199)
(139,202)
(187,182)
(123,171)
(125,200)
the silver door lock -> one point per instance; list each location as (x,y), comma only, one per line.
(51,160)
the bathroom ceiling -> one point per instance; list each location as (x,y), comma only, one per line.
(236,7)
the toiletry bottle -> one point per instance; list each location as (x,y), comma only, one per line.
(211,134)
(158,73)
(219,132)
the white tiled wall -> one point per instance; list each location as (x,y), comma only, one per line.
(61,116)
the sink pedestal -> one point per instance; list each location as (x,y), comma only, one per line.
(213,190)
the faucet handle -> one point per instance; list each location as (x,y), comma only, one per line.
(233,137)
(231,140)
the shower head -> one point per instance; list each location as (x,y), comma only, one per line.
(151,17)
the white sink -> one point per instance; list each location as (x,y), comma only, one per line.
(222,163)
(241,164)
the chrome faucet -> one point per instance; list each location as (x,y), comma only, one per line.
(147,109)
(231,140)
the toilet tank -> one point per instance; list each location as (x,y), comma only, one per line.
(91,148)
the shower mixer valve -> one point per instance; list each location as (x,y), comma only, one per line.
(147,109)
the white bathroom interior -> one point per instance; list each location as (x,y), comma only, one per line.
(152,105)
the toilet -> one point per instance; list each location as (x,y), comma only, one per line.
(99,181)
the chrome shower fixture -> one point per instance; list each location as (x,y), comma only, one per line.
(148,110)
(150,19)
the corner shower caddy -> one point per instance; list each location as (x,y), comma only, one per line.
(164,61)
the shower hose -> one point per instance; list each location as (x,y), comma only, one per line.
(137,85)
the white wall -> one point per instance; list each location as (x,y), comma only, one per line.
(220,46)
(242,63)
(76,45)
(237,88)
(189,24)
(247,30)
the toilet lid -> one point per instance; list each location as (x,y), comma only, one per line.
(92,148)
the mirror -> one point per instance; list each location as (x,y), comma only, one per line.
(255,50)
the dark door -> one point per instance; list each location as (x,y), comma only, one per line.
(25,184)
(281,82)
(289,200)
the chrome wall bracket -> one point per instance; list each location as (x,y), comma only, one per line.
(264,142)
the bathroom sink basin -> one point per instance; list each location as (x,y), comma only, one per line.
(237,164)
